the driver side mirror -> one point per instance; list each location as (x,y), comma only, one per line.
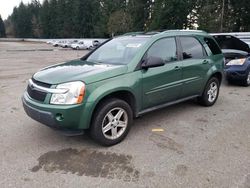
(151,62)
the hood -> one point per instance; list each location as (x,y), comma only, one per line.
(76,70)
(231,42)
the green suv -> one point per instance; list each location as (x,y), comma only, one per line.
(124,78)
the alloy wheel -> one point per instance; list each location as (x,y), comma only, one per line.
(114,123)
(212,92)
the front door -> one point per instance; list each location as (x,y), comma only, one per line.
(162,84)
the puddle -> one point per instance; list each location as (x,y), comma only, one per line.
(88,163)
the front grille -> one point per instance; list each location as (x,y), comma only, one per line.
(37,95)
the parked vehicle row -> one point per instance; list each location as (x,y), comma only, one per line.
(76,44)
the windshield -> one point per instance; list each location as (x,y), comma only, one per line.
(118,51)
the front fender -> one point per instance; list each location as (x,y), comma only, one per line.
(129,82)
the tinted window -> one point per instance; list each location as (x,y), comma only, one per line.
(164,49)
(191,48)
(215,49)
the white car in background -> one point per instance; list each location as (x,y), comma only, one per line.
(57,43)
(62,43)
(69,43)
(79,46)
(89,44)
(51,41)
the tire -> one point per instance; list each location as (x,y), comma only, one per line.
(210,93)
(230,81)
(246,81)
(77,48)
(105,118)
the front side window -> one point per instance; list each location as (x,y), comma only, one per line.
(164,49)
(118,51)
(191,48)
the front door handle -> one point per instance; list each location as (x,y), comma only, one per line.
(176,68)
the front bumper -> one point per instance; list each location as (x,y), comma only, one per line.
(60,117)
(46,118)
(236,72)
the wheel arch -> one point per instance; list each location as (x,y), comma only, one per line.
(124,95)
(217,75)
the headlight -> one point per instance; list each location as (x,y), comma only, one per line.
(237,62)
(74,95)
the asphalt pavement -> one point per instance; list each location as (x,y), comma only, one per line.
(185,145)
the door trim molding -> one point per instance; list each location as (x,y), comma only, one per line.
(165,105)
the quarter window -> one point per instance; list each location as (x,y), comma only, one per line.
(164,49)
(191,48)
(215,49)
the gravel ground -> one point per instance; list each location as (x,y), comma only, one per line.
(199,147)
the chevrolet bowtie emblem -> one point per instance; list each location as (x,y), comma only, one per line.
(32,86)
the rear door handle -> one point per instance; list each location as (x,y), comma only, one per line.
(176,68)
(205,62)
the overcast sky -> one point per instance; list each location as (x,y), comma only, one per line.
(6,6)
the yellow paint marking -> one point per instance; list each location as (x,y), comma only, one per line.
(157,130)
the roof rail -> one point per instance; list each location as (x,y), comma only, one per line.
(186,30)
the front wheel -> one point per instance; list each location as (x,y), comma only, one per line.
(111,122)
(246,82)
(210,93)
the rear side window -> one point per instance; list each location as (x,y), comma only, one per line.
(215,49)
(191,47)
(164,49)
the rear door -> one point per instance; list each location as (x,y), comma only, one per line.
(195,65)
(162,84)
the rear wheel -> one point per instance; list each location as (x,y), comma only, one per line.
(111,122)
(210,93)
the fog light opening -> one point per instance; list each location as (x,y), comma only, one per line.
(59,117)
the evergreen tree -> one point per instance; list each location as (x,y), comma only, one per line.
(9,28)
(140,12)
(101,18)
(34,9)
(2,28)
(210,15)
(45,19)
(169,14)
(119,22)
(21,19)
